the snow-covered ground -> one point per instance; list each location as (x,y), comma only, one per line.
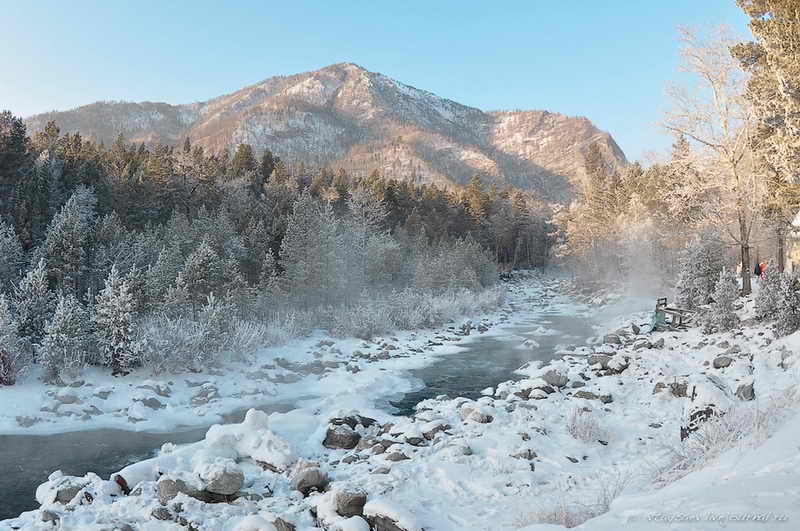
(596,430)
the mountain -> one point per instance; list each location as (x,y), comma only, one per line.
(345,116)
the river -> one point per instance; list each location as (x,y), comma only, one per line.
(482,362)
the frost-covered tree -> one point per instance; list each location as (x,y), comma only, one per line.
(12,256)
(114,320)
(204,272)
(33,303)
(12,358)
(769,293)
(721,316)
(65,248)
(788,307)
(311,253)
(66,342)
(161,275)
(701,263)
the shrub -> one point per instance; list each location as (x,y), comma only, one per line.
(582,425)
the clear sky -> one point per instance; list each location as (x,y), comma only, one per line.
(609,60)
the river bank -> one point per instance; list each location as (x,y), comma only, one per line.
(581,436)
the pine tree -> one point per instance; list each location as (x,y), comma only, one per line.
(244,161)
(722,316)
(11,353)
(65,248)
(701,264)
(267,165)
(33,302)
(12,257)
(788,307)
(114,320)
(65,343)
(204,272)
(768,296)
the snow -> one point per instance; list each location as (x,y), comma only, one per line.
(510,472)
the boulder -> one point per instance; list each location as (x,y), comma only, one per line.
(224,479)
(350,503)
(397,456)
(612,339)
(308,480)
(161,513)
(602,359)
(642,344)
(722,361)
(746,392)
(153,403)
(167,488)
(341,437)
(658,343)
(588,395)
(555,378)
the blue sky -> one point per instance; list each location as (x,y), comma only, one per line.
(609,60)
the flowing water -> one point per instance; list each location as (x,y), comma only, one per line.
(484,361)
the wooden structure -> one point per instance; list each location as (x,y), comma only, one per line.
(677,316)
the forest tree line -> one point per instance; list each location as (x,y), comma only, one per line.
(731,185)
(169,257)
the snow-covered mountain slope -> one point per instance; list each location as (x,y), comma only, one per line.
(345,116)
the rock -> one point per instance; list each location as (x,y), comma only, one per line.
(397,456)
(660,386)
(430,432)
(381,470)
(635,329)
(341,437)
(153,403)
(525,454)
(746,392)
(617,364)
(308,480)
(735,349)
(27,422)
(50,516)
(723,345)
(678,389)
(658,343)
(68,489)
(350,503)
(161,513)
(225,480)
(207,393)
(66,398)
(167,488)
(415,440)
(642,344)
(606,399)
(612,339)
(722,361)
(378,449)
(555,378)
(577,383)
(282,525)
(602,359)
(572,459)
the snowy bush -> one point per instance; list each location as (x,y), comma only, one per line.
(169,344)
(769,293)
(743,425)
(65,343)
(721,316)
(363,321)
(700,266)
(583,426)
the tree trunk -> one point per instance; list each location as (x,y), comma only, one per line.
(746,288)
(780,233)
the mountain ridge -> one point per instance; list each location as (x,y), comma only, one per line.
(343,115)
